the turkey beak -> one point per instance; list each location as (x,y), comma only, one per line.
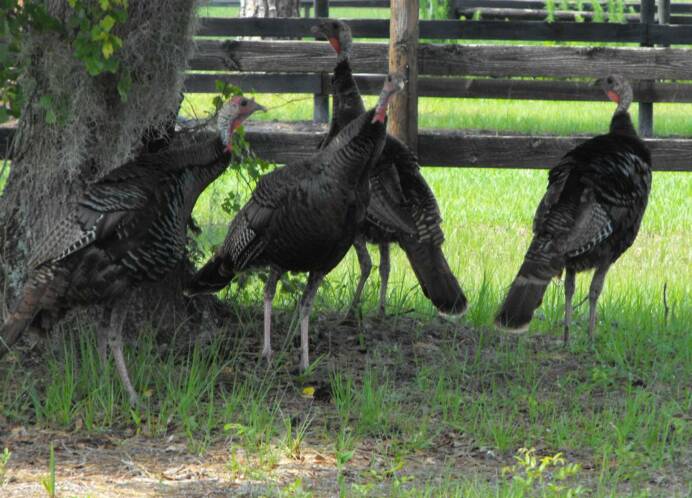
(317,31)
(260,107)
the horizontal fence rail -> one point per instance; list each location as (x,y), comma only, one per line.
(557,16)
(434,86)
(572,4)
(468,30)
(450,60)
(365,4)
(446,148)
(676,8)
(450,70)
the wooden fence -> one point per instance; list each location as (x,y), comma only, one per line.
(537,10)
(454,71)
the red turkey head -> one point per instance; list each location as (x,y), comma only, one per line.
(338,33)
(393,83)
(618,89)
(232,115)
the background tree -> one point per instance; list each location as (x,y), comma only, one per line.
(94,78)
(269,8)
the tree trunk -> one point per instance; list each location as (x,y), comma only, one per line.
(95,132)
(269,8)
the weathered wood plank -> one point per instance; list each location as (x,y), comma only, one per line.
(320,100)
(284,142)
(457,148)
(403,47)
(490,13)
(646,109)
(451,60)
(255,82)
(541,4)
(498,60)
(454,29)
(381,4)
(436,86)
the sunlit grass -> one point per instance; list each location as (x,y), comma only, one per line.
(619,408)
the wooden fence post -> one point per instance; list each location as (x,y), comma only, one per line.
(320,113)
(646,109)
(403,58)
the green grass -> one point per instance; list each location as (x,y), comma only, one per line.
(421,407)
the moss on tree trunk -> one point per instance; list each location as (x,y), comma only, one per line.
(95,130)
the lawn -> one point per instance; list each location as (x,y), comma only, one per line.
(412,405)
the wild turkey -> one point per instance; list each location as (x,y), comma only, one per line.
(396,185)
(303,217)
(127,229)
(588,217)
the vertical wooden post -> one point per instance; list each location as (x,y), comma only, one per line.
(646,109)
(320,113)
(664,13)
(403,58)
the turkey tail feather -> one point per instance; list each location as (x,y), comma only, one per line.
(212,277)
(524,296)
(10,332)
(435,277)
(36,295)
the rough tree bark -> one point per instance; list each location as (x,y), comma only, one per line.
(269,8)
(96,131)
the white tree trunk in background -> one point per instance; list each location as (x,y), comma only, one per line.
(269,8)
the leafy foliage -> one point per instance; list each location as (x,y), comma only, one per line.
(15,20)
(544,476)
(90,29)
(95,43)
(434,9)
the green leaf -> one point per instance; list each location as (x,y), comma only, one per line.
(105,4)
(107,23)
(124,86)
(51,118)
(46,101)
(107,50)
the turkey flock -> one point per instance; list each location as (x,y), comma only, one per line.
(360,186)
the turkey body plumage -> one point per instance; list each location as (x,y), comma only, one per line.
(127,229)
(591,213)
(301,217)
(397,186)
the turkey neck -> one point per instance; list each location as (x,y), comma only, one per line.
(208,160)
(621,124)
(356,149)
(348,104)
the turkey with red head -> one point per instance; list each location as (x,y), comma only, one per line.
(303,217)
(589,216)
(127,229)
(396,186)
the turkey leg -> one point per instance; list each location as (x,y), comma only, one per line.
(314,281)
(365,264)
(570,278)
(384,276)
(269,292)
(115,341)
(594,293)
